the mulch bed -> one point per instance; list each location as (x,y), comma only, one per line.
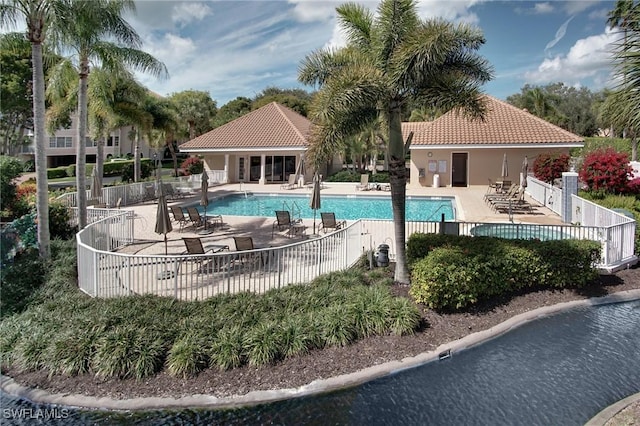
(437,328)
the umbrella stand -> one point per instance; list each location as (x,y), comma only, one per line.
(314,221)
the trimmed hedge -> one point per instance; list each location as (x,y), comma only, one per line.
(455,272)
(57,173)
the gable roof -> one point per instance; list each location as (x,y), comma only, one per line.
(272,126)
(504,125)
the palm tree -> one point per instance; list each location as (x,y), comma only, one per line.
(622,106)
(160,131)
(39,15)
(393,60)
(98,34)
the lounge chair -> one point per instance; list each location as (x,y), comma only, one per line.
(194,246)
(364,182)
(250,260)
(329,222)
(497,196)
(291,183)
(198,220)
(178,216)
(283,221)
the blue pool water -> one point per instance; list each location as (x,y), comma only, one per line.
(515,231)
(345,207)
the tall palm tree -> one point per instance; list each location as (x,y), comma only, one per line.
(39,15)
(161,129)
(393,60)
(622,107)
(98,34)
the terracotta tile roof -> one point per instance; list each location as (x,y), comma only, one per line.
(503,125)
(271,126)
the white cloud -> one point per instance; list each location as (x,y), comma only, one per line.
(457,11)
(573,7)
(562,30)
(185,13)
(587,58)
(313,10)
(543,8)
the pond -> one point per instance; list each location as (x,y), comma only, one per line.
(561,370)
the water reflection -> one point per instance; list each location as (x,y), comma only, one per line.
(558,370)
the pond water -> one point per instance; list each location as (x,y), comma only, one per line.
(558,370)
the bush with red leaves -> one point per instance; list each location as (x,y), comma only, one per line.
(606,170)
(192,166)
(550,166)
(633,186)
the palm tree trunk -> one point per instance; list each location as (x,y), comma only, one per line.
(174,157)
(39,138)
(100,158)
(398,182)
(81,156)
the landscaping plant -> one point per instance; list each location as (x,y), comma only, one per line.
(548,167)
(606,170)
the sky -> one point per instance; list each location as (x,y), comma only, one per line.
(239,48)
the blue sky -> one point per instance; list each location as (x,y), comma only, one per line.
(238,48)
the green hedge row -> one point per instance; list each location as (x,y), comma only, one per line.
(455,272)
(354,176)
(115,168)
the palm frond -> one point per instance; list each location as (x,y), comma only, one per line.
(396,21)
(356,20)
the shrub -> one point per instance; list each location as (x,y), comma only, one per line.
(466,270)
(633,186)
(606,170)
(550,166)
(344,176)
(57,173)
(192,166)
(146,169)
(187,357)
(10,168)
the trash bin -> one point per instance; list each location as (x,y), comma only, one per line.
(436,181)
(382,255)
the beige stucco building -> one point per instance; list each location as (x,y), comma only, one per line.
(463,152)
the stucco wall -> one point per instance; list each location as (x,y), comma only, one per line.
(482,164)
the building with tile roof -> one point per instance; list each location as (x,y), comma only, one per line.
(265,145)
(268,144)
(465,152)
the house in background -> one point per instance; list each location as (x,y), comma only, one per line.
(462,152)
(61,147)
(264,146)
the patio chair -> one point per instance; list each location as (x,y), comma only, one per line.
(490,198)
(198,220)
(283,221)
(291,183)
(247,258)
(194,246)
(178,216)
(364,182)
(329,222)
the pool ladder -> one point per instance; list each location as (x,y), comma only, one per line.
(293,209)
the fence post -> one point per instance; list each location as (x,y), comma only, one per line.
(569,187)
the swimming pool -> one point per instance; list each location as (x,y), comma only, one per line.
(345,207)
(515,231)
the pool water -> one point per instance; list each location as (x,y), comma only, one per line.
(345,207)
(515,231)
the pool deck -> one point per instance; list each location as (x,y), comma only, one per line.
(470,207)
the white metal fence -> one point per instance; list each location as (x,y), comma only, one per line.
(547,195)
(102,273)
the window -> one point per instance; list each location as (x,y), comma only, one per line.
(60,142)
(116,140)
(89,143)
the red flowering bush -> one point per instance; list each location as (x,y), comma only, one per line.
(548,167)
(633,186)
(606,170)
(192,166)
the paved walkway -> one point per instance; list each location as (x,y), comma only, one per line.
(470,207)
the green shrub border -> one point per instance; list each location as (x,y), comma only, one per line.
(456,272)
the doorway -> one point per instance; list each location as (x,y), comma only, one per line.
(459,167)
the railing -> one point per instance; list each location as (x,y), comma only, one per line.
(547,195)
(127,194)
(618,231)
(616,240)
(102,273)
(215,177)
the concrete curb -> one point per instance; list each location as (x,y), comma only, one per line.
(608,413)
(317,386)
